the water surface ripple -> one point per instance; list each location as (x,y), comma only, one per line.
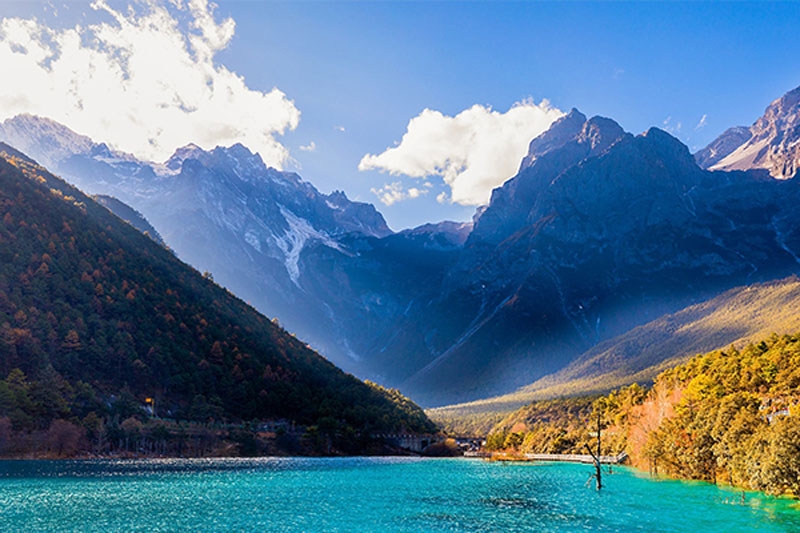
(366,494)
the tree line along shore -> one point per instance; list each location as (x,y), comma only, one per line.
(729,416)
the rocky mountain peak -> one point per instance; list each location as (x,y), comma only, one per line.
(190,151)
(722,146)
(237,159)
(597,132)
(338,198)
(100,150)
(667,144)
(781,119)
(440,235)
(773,143)
(569,141)
(600,133)
(788,101)
(48,140)
(662,151)
(240,157)
(560,132)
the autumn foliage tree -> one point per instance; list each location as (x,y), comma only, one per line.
(729,416)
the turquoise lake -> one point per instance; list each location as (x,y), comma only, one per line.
(366,494)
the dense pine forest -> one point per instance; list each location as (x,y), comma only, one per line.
(100,327)
(729,416)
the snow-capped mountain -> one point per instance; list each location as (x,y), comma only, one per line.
(599,231)
(50,141)
(772,143)
(225,212)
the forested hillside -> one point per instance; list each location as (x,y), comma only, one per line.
(97,319)
(729,416)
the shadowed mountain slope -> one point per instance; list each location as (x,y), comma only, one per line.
(88,299)
(737,317)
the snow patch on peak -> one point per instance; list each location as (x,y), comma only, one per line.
(190,151)
(239,151)
(294,240)
(244,163)
(105,154)
(251,237)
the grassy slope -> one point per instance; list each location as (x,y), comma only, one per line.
(738,316)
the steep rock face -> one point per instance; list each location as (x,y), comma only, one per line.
(274,239)
(569,140)
(773,143)
(628,231)
(562,131)
(722,146)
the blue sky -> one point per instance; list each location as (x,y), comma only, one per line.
(352,75)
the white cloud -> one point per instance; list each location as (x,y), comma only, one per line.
(670,127)
(703,122)
(473,152)
(143,79)
(310,147)
(394,192)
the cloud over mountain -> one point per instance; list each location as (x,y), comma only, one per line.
(143,78)
(394,192)
(473,152)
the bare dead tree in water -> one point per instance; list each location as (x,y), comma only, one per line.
(598,473)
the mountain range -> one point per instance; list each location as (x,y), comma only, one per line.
(96,315)
(600,231)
